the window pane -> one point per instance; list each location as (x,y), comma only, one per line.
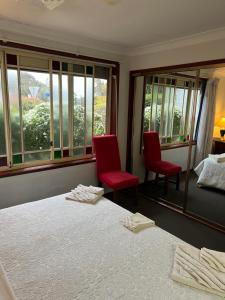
(89,109)
(2,126)
(55,83)
(65,109)
(100,101)
(79,110)
(166,112)
(37,156)
(147,107)
(14,110)
(178,108)
(35,96)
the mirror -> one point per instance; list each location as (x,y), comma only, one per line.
(206,189)
(163,103)
(187,110)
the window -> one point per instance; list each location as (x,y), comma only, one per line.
(54,107)
(168,104)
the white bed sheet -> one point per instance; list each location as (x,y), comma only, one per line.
(64,250)
(211,174)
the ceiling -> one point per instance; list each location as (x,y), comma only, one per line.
(128,23)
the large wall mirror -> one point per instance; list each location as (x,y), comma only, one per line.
(184,107)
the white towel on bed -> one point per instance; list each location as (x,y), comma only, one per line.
(214,259)
(219,158)
(86,194)
(90,189)
(189,270)
(136,222)
(83,197)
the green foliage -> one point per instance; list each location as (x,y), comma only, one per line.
(36,127)
(157,117)
(99,127)
(78,124)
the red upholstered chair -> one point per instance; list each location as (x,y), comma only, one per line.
(154,163)
(108,165)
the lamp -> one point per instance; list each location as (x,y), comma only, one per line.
(222,127)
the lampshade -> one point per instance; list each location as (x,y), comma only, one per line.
(221,123)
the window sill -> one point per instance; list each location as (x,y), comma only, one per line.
(176,145)
(40,168)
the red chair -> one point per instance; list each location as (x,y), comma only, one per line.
(109,167)
(154,163)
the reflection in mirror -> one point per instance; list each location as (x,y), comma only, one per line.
(163,105)
(206,196)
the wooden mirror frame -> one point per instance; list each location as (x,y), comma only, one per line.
(196,66)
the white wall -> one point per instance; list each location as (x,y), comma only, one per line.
(34,186)
(180,55)
(220,101)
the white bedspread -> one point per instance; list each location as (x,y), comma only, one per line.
(211,174)
(60,250)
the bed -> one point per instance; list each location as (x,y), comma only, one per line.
(211,172)
(63,250)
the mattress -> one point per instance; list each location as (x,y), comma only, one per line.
(63,250)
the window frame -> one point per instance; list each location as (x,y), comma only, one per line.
(172,144)
(86,156)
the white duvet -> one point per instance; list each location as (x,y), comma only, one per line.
(211,173)
(55,249)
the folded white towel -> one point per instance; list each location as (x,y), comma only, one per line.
(189,270)
(90,189)
(219,158)
(214,259)
(136,222)
(83,197)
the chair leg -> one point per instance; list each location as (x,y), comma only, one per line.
(166,185)
(178,182)
(135,196)
(115,194)
(100,184)
(146,175)
(156,178)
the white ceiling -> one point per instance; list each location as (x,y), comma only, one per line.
(127,23)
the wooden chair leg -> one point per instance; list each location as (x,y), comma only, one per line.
(156,178)
(146,175)
(166,185)
(178,182)
(135,196)
(115,194)
(100,184)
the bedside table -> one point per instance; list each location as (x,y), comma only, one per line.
(218,146)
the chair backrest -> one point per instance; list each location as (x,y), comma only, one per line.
(107,154)
(152,151)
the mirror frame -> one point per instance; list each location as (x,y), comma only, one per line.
(196,66)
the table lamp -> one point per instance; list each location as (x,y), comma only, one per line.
(222,127)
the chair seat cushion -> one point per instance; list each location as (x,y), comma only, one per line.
(165,168)
(119,180)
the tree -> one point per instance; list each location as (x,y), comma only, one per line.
(36,127)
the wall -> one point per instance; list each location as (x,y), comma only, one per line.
(23,188)
(220,102)
(178,55)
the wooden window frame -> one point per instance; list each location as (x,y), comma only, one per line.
(114,67)
(183,123)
